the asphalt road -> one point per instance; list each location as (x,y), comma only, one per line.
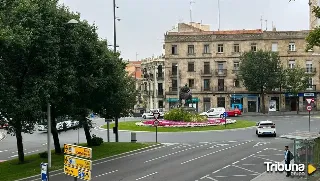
(217,161)
(37,142)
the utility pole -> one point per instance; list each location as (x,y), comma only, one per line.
(219,14)
(191,2)
(116,132)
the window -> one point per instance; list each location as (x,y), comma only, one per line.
(236,83)
(206,103)
(190,49)
(292,47)
(310,87)
(221,102)
(206,49)
(174,49)
(253,47)
(274,47)
(191,83)
(206,68)
(206,84)
(174,85)
(190,66)
(291,64)
(236,48)
(236,65)
(309,66)
(160,104)
(220,48)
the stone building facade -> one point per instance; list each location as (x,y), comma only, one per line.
(208,61)
(153,82)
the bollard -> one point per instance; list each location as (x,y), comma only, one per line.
(133,137)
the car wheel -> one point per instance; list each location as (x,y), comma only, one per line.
(144,117)
(235,115)
(259,135)
(221,116)
(256,132)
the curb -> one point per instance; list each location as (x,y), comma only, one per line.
(235,129)
(60,171)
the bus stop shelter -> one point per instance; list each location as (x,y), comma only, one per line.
(306,150)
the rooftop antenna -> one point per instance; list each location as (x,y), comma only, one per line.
(261,26)
(191,2)
(137,56)
(272,25)
(219,14)
(266,24)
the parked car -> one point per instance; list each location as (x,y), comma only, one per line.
(234,113)
(149,114)
(265,128)
(218,112)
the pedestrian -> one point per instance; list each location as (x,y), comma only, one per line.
(287,158)
(64,126)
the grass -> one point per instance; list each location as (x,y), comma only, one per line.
(12,170)
(130,125)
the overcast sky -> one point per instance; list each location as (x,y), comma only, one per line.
(144,22)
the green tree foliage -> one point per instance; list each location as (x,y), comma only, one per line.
(179,114)
(260,72)
(296,80)
(313,39)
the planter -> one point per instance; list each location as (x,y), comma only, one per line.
(167,123)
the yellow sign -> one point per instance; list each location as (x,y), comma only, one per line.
(77,162)
(311,169)
(79,151)
(77,172)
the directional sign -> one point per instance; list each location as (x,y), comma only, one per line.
(309,108)
(79,151)
(77,162)
(77,172)
(156,115)
(225,114)
(156,123)
(311,169)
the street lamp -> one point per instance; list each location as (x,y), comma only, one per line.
(178,82)
(72,21)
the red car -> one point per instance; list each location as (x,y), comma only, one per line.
(234,113)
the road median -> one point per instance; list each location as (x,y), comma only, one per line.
(12,170)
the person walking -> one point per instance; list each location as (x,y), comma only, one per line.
(287,158)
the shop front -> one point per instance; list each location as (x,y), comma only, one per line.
(191,103)
(292,101)
(236,102)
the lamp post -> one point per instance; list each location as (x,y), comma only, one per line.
(178,83)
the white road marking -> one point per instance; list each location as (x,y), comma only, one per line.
(246,169)
(106,173)
(208,177)
(235,162)
(264,158)
(24,153)
(147,175)
(214,152)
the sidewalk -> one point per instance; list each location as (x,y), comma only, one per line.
(278,113)
(276,176)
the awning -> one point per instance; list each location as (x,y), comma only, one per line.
(194,100)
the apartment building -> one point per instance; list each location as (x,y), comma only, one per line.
(152,85)
(133,68)
(208,62)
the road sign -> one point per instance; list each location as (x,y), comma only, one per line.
(311,169)
(44,171)
(309,100)
(79,151)
(156,115)
(225,114)
(156,123)
(309,108)
(77,172)
(77,162)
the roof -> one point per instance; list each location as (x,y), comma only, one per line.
(224,32)
(265,122)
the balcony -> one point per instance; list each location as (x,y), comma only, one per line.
(160,94)
(206,73)
(312,88)
(160,77)
(220,89)
(235,71)
(173,89)
(310,70)
(174,73)
(221,72)
(206,89)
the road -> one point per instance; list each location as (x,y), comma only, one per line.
(36,142)
(217,161)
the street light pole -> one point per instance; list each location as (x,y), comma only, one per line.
(178,83)
(48,134)
(114,27)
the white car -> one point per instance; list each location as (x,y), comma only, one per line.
(214,112)
(266,128)
(149,114)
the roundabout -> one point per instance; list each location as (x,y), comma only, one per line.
(147,126)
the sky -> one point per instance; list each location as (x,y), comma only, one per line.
(140,32)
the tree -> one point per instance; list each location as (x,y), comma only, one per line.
(27,46)
(260,72)
(296,80)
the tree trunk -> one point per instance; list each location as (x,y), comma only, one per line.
(86,128)
(19,142)
(54,131)
(116,124)
(297,104)
(263,107)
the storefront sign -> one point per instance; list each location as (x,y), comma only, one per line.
(308,94)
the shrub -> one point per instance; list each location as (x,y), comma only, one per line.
(43,154)
(182,115)
(96,141)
